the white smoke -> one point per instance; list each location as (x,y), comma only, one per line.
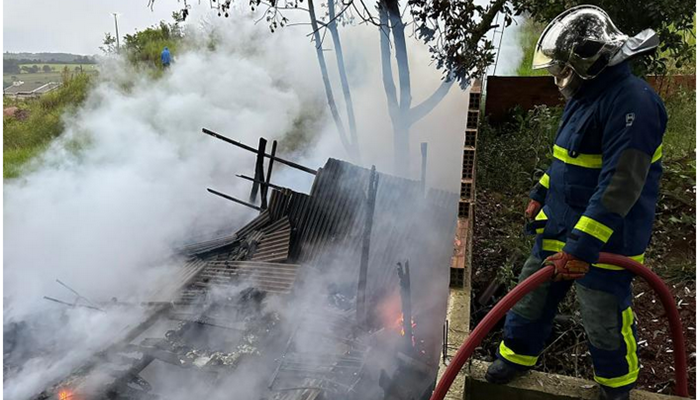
(105,218)
(511,50)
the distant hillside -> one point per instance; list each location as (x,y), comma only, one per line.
(50,58)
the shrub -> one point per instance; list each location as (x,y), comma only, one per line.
(513,156)
(144,47)
(679,140)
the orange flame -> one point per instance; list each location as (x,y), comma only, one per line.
(64,395)
(400,321)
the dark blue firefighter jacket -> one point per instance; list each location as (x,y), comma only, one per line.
(600,192)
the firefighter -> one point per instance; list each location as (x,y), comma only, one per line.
(599,194)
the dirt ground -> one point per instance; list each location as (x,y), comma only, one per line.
(500,250)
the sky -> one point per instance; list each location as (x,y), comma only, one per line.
(78,26)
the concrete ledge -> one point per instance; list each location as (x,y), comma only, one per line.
(538,386)
(458,316)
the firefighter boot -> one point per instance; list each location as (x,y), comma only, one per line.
(500,372)
(614,394)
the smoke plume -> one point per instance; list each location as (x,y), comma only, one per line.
(106,205)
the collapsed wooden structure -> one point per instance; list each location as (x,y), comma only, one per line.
(332,256)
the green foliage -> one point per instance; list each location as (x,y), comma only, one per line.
(672,248)
(529,33)
(144,47)
(673,21)
(679,140)
(42,121)
(456,33)
(512,157)
(10,66)
(109,44)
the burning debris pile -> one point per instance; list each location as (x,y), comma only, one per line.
(304,302)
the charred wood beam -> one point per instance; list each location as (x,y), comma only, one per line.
(262,183)
(253,150)
(77,295)
(65,303)
(405,285)
(264,188)
(445,340)
(233,199)
(364,258)
(259,174)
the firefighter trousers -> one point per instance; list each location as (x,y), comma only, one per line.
(605,300)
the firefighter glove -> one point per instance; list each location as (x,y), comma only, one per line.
(566,266)
(533,207)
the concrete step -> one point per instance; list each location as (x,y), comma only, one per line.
(538,386)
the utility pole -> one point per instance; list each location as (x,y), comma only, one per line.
(116,28)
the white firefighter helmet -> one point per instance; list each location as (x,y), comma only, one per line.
(582,41)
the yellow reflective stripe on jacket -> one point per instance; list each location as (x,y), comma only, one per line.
(552,245)
(510,355)
(544,180)
(557,246)
(589,160)
(582,160)
(657,154)
(639,259)
(631,356)
(594,228)
(541,216)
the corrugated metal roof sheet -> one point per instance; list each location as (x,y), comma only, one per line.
(269,277)
(274,245)
(324,228)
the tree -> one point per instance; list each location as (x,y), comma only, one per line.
(46,68)
(456,32)
(275,18)
(461,57)
(109,44)
(145,46)
(34,69)
(673,21)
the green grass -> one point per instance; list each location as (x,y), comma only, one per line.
(39,78)
(26,138)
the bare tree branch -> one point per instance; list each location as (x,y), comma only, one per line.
(333,28)
(387,74)
(326,80)
(427,106)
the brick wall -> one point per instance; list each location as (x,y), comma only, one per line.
(503,93)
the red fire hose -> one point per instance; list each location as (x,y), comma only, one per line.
(545,274)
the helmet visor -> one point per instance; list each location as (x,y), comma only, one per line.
(585,32)
(547,46)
